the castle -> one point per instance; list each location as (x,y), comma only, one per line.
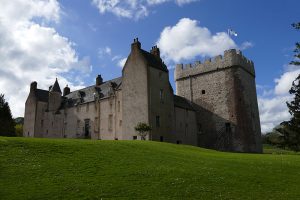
(215,105)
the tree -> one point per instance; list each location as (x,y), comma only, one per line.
(7,124)
(142,129)
(291,128)
(296,60)
(19,130)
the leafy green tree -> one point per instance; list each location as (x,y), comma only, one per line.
(142,129)
(7,124)
(291,128)
(19,130)
(296,60)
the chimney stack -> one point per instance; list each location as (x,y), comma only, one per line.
(99,80)
(66,91)
(136,44)
(155,51)
(33,86)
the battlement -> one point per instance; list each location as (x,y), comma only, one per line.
(231,58)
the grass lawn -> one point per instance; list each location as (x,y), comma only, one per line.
(87,169)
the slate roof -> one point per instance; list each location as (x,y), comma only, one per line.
(55,87)
(182,102)
(42,95)
(88,94)
(154,61)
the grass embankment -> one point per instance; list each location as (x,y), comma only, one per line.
(87,169)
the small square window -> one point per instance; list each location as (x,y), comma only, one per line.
(134,137)
(203,91)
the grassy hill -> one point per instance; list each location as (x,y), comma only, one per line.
(87,169)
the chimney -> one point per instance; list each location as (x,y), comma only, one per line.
(33,86)
(66,91)
(136,44)
(99,80)
(155,51)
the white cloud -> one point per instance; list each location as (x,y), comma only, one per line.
(182,2)
(30,51)
(187,39)
(106,51)
(122,62)
(246,45)
(133,9)
(273,111)
(272,103)
(284,83)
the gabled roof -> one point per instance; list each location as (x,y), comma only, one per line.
(55,87)
(42,95)
(154,61)
(88,94)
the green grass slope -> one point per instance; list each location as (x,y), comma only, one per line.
(87,169)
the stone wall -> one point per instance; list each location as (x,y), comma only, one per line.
(135,99)
(161,105)
(185,123)
(223,90)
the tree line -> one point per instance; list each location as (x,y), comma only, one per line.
(287,134)
(8,125)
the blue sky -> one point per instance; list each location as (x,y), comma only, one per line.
(76,40)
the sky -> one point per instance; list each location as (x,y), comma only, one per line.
(74,41)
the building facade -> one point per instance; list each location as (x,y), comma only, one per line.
(215,105)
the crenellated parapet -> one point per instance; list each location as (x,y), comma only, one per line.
(231,58)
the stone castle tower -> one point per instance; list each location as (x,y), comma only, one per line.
(223,91)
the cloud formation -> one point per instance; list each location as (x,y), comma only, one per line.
(187,39)
(132,9)
(31,51)
(272,102)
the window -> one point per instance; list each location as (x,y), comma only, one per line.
(161,138)
(199,127)
(157,121)
(178,142)
(134,137)
(42,123)
(120,123)
(161,95)
(78,123)
(110,122)
(87,127)
(227,127)
(119,106)
(203,91)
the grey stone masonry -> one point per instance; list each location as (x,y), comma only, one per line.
(231,58)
